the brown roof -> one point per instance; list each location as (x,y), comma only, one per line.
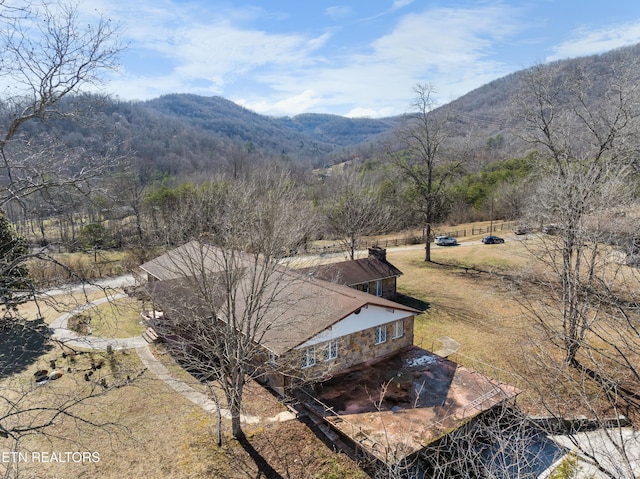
(355,271)
(297,307)
(400,404)
(179,262)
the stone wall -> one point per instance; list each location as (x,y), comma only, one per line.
(388,288)
(360,347)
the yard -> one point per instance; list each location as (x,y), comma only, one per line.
(159,433)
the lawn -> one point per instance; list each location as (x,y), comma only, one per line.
(159,433)
(470,299)
(155,431)
(119,318)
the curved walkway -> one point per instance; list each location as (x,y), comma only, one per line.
(198,398)
(71,338)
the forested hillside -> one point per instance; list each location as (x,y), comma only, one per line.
(182,134)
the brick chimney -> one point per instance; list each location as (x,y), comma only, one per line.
(378,252)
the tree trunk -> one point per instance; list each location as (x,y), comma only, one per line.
(236,427)
(427,243)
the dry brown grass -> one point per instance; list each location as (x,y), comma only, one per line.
(68,267)
(159,433)
(119,318)
(162,434)
(49,308)
(471,300)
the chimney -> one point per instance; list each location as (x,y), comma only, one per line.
(378,252)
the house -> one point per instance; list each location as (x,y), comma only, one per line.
(311,329)
(373,274)
(352,352)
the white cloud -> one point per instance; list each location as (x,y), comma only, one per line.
(217,51)
(294,105)
(588,42)
(360,112)
(401,3)
(453,53)
(338,11)
(282,67)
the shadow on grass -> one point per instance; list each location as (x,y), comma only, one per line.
(412,302)
(264,468)
(21,344)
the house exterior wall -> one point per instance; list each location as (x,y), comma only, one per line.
(370,316)
(361,346)
(355,348)
(388,287)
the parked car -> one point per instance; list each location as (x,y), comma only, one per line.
(521,229)
(492,240)
(446,241)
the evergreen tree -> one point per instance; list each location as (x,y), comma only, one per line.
(15,285)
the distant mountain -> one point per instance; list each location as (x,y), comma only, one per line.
(487,112)
(307,135)
(183,134)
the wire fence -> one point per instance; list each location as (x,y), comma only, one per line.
(339,247)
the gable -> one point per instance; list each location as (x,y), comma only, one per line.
(369,316)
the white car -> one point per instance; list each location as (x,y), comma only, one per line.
(446,241)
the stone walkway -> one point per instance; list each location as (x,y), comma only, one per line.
(198,398)
(66,336)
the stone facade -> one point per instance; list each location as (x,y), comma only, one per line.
(360,347)
(353,349)
(388,288)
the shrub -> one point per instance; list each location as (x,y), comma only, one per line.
(80,323)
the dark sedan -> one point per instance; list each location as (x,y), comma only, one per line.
(492,240)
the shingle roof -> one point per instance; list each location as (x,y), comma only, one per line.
(191,257)
(297,307)
(355,271)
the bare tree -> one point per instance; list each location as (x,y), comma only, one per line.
(353,208)
(593,422)
(584,129)
(422,137)
(500,443)
(230,288)
(45,55)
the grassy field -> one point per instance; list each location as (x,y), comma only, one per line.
(119,318)
(159,433)
(477,309)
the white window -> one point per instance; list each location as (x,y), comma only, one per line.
(398,329)
(381,334)
(309,357)
(379,288)
(331,351)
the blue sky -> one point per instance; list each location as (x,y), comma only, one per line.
(357,58)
